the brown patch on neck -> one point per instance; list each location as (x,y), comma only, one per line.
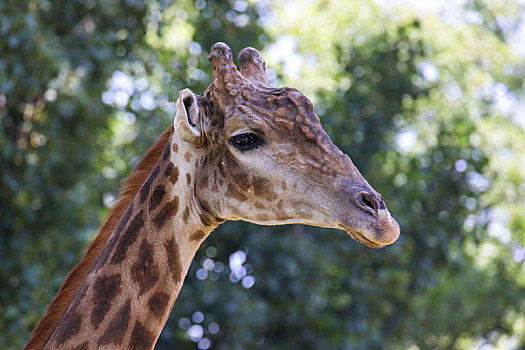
(117,327)
(144,271)
(158,303)
(206,221)
(197,236)
(185,215)
(156,197)
(173,254)
(128,238)
(172,172)
(187,156)
(69,327)
(168,211)
(71,285)
(105,289)
(141,337)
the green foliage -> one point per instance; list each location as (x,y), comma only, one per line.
(420,105)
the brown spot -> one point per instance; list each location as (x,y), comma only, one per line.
(175,147)
(280,204)
(169,210)
(205,219)
(144,190)
(240,181)
(156,197)
(263,188)
(283,185)
(203,182)
(172,251)
(188,178)
(158,303)
(197,235)
(68,327)
(185,215)
(144,271)
(117,327)
(235,193)
(105,289)
(172,172)
(187,156)
(128,238)
(141,337)
(238,186)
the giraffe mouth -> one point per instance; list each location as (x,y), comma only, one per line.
(361,238)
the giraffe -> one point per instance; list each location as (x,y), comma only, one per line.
(242,150)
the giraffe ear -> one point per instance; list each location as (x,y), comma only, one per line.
(188,118)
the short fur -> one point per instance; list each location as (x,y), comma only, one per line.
(69,288)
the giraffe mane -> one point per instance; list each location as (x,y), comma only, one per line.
(71,285)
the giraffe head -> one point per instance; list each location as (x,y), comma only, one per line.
(264,157)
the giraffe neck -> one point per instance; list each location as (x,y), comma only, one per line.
(129,292)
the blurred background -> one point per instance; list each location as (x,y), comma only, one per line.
(427,97)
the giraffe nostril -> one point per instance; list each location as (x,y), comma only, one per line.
(370,201)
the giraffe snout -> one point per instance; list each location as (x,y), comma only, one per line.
(365,216)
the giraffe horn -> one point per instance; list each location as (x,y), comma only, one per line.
(224,70)
(253,65)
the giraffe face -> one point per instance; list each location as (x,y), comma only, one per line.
(266,159)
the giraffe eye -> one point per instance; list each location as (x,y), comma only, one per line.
(246,141)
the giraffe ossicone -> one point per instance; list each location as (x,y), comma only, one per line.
(242,150)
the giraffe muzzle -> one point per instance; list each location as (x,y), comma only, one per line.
(367,219)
